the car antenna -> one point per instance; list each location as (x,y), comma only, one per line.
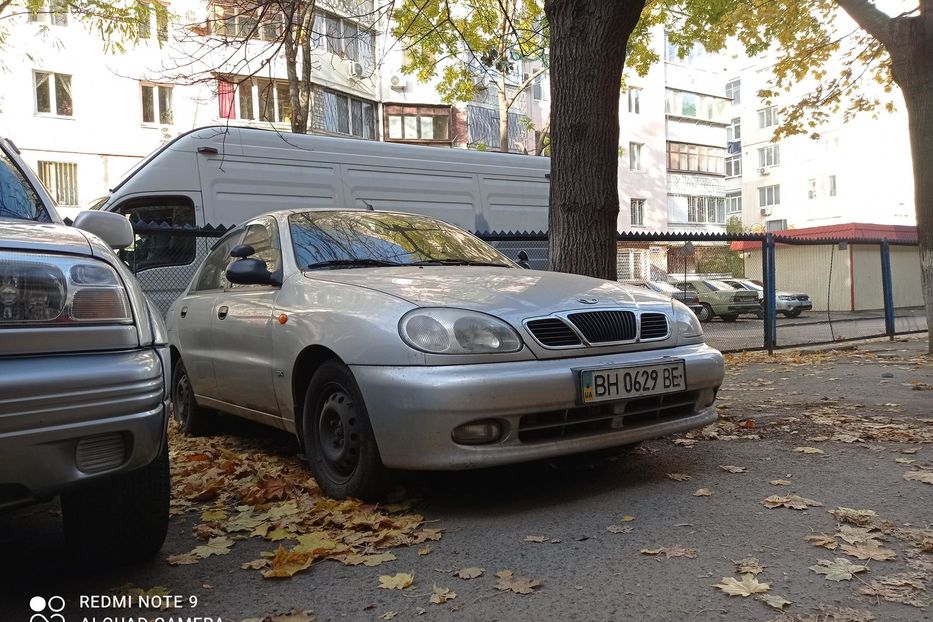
(368,205)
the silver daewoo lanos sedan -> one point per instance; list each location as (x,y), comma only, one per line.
(393,341)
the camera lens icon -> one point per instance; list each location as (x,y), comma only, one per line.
(38,604)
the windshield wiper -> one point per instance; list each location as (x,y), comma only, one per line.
(334,264)
(456,262)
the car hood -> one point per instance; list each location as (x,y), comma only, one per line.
(31,236)
(506,292)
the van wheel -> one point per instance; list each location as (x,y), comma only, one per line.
(121,519)
(338,437)
(193,419)
(706,313)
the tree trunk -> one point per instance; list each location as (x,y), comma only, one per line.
(588,40)
(503,115)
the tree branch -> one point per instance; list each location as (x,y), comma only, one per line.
(524,85)
(874,21)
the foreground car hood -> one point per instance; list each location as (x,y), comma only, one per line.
(43,237)
(500,291)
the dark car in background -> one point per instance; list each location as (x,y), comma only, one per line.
(689,298)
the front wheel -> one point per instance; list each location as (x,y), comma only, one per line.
(121,519)
(193,419)
(793,314)
(729,317)
(705,314)
(338,437)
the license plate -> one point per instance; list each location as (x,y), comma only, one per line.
(600,385)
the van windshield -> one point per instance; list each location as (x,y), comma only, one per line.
(350,239)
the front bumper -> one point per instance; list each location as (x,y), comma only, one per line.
(414,410)
(793,305)
(67,419)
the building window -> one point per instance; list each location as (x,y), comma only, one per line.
(61,180)
(256,100)
(733,166)
(769,196)
(262,24)
(344,38)
(702,210)
(53,93)
(157,103)
(539,90)
(769,156)
(734,131)
(347,115)
(811,188)
(734,203)
(776,225)
(152,19)
(672,54)
(695,158)
(832,185)
(634,100)
(638,212)
(733,90)
(418,123)
(695,105)
(634,157)
(768,117)
(632,264)
(54,12)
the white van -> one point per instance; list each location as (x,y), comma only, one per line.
(225,175)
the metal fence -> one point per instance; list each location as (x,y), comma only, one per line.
(809,291)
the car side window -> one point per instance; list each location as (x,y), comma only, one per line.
(18,200)
(158,249)
(213,271)
(263,236)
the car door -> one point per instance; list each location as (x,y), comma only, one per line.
(241,330)
(195,311)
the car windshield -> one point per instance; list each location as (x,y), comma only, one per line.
(751,285)
(661,286)
(18,200)
(349,239)
(717,286)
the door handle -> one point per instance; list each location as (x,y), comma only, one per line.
(184,312)
(222,312)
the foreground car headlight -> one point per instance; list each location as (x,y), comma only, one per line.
(36,288)
(457,331)
(686,324)
(787,298)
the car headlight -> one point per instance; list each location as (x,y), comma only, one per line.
(785,297)
(686,324)
(36,288)
(457,331)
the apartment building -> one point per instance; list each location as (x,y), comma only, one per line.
(83,117)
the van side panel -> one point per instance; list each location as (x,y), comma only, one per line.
(515,203)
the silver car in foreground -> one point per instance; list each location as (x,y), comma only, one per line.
(83,376)
(392,341)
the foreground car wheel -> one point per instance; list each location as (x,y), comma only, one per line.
(729,317)
(121,519)
(194,420)
(706,313)
(338,437)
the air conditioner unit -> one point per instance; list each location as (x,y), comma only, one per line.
(355,70)
(763,171)
(765,211)
(397,83)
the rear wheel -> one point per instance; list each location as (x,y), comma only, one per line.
(706,313)
(794,313)
(729,317)
(338,436)
(119,520)
(193,419)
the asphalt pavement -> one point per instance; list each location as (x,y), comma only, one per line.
(868,410)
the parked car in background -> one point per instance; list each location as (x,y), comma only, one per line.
(689,298)
(395,341)
(787,303)
(719,299)
(83,376)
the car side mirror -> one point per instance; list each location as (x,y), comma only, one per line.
(115,230)
(248,271)
(523,259)
(241,251)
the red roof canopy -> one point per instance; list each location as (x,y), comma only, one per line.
(851,230)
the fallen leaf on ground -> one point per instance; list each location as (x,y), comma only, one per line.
(703,492)
(388,615)
(316,543)
(285,563)
(679,477)
(748,565)
(292,616)
(856,535)
(426,534)
(619,529)
(470,573)
(822,540)
(671,551)
(868,551)
(535,538)
(919,476)
(627,518)
(183,559)
(216,546)
(860,518)
(728,468)
(424,551)
(441,595)
(398,581)
(748,586)
(508,582)
(780,482)
(256,564)
(793,501)
(907,589)
(773,600)
(808,450)
(904,461)
(840,570)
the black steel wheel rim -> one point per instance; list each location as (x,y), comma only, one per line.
(182,399)
(338,436)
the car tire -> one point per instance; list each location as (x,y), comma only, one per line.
(706,313)
(793,314)
(120,519)
(193,420)
(338,436)
(729,317)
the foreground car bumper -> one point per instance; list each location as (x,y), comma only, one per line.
(794,305)
(414,410)
(67,419)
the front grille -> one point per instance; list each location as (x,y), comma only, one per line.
(100,453)
(602,418)
(653,325)
(803,297)
(605,326)
(553,332)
